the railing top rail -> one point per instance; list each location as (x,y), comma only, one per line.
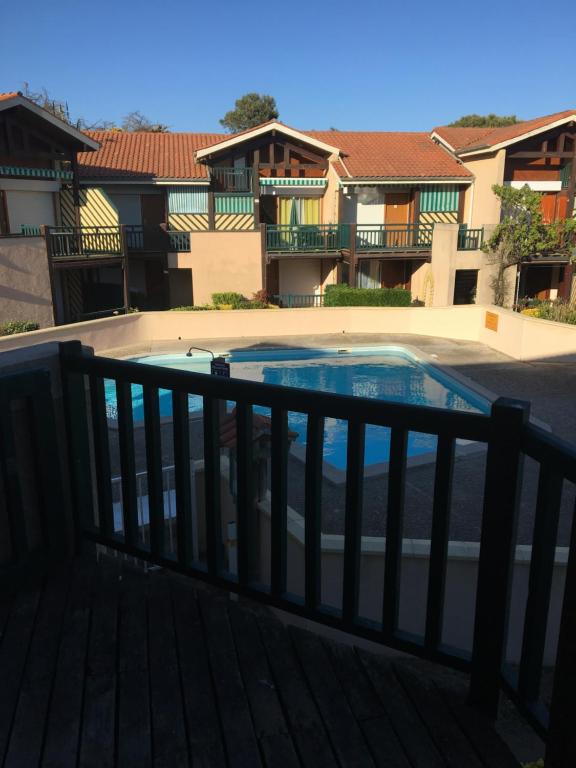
(435,421)
(311,227)
(547,448)
(83,230)
(400,227)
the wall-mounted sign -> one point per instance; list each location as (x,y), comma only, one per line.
(219,367)
(491,321)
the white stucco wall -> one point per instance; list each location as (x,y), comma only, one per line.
(32,208)
(300,276)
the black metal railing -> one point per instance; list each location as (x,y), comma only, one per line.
(298,300)
(506,433)
(74,242)
(232,179)
(470,239)
(394,237)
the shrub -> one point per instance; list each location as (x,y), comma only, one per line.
(560,311)
(344,296)
(262,296)
(230,298)
(17,326)
(196,308)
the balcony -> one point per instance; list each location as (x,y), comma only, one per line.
(231,179)
(155,239)
(394,237)
(307,238)
(84,243)
(111,664)
(89,243)
(470,239)
(330,238)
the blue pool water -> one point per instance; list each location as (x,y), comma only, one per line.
(383,373)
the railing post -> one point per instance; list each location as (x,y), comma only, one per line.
(125,268)
(45,231)
(78,439)
(352,263)
(497,545)
(561,747)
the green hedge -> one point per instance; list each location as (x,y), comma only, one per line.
(344,296)
(17,326)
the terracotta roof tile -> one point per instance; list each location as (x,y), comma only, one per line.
(468,138)
(12,95)
(171,155)
(375,154)
(150,155)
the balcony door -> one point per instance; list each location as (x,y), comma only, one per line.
(396,217)
(298,210)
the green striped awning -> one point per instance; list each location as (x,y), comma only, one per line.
(286,182)
(34,173)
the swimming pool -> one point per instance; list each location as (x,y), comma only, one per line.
(389,373)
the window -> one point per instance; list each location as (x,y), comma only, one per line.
(188,199)
(441,199)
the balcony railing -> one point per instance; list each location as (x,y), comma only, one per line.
(334,237)
(154,239)
(74,242)
(307,237)
(298,300)
(506,434)
(394,237)
(232,179)
(179,241)
(470,239)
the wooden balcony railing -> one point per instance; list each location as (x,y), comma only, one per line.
(75,242)
(307,237)
(155,239)
(506,433)
(298,300)
(87,479)
(470,239)
(334,237)
(394,237)
(232,179)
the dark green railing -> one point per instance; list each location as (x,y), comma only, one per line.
(73,242)
(470,239)
(179,241)
(506,434)
(232,179)
(565,175)
(303,238)
(29,230)
(298,300)
(394,237)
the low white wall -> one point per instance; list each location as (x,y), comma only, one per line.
(461,581)
(527,338)
(519,336)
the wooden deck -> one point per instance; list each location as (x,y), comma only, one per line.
(106,666)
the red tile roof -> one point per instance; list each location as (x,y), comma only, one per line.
(376,154)
(5,96)
(466,139)
(149,155)
(171,155)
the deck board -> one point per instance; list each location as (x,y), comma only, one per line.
(108,666)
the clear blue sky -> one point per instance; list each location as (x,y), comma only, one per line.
(369,65)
